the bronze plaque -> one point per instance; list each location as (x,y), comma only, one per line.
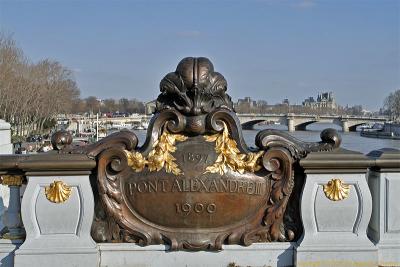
(194,184)
(196,199)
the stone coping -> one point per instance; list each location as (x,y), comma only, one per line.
(254,246)
(45,162)
(351,161)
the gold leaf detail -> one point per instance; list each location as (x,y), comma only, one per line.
(136,161)
(160,157)
(336,190)
(229,155)
(11,180)
(58,192)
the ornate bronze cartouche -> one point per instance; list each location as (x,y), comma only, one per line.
(194,184)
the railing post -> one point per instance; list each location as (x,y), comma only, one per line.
(13,215)
(12,234)
(5,148)
(336,207)
(384,226)
(57,215)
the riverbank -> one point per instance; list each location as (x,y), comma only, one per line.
(380,134)
(389,131)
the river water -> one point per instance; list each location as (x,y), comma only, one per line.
(350,140)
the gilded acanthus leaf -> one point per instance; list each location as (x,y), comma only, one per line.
(136,161)
(160,157)
(229,155)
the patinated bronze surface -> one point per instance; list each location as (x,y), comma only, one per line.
(195,184)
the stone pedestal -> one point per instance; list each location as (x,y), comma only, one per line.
(258,254)
(384,227)
(57,225)
(336,207)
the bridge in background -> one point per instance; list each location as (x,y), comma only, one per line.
(294,122)
(299,122)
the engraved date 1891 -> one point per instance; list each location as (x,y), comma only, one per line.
(187,208)
(194,158)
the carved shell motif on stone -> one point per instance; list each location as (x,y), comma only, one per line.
(58,192)
(336,190)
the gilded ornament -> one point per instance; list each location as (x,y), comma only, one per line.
(12,180)
(160,157)
(11,236)
(58,192)
(336,190)
(136,161)
(229,155)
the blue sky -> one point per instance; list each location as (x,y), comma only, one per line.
(266,49)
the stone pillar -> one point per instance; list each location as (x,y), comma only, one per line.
(290,123)
(5,148)
(13,214)
(336,207)
(345,126)
(384,227)
(57,215)
(9,204)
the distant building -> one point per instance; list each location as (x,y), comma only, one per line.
(246,101)
(324,101)
(150,107)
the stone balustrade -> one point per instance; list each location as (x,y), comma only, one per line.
(349,211)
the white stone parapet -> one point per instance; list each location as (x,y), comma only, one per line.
(336,207)
(384,227)
(57,229)
(259,254)
(349,212)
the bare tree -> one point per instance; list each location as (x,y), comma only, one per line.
(92,104)
(32,94)
(110,105)
(392,105)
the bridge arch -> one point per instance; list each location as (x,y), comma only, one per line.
(353,128)
(250,124)
(303,126)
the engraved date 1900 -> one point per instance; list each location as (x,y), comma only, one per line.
(187,208)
